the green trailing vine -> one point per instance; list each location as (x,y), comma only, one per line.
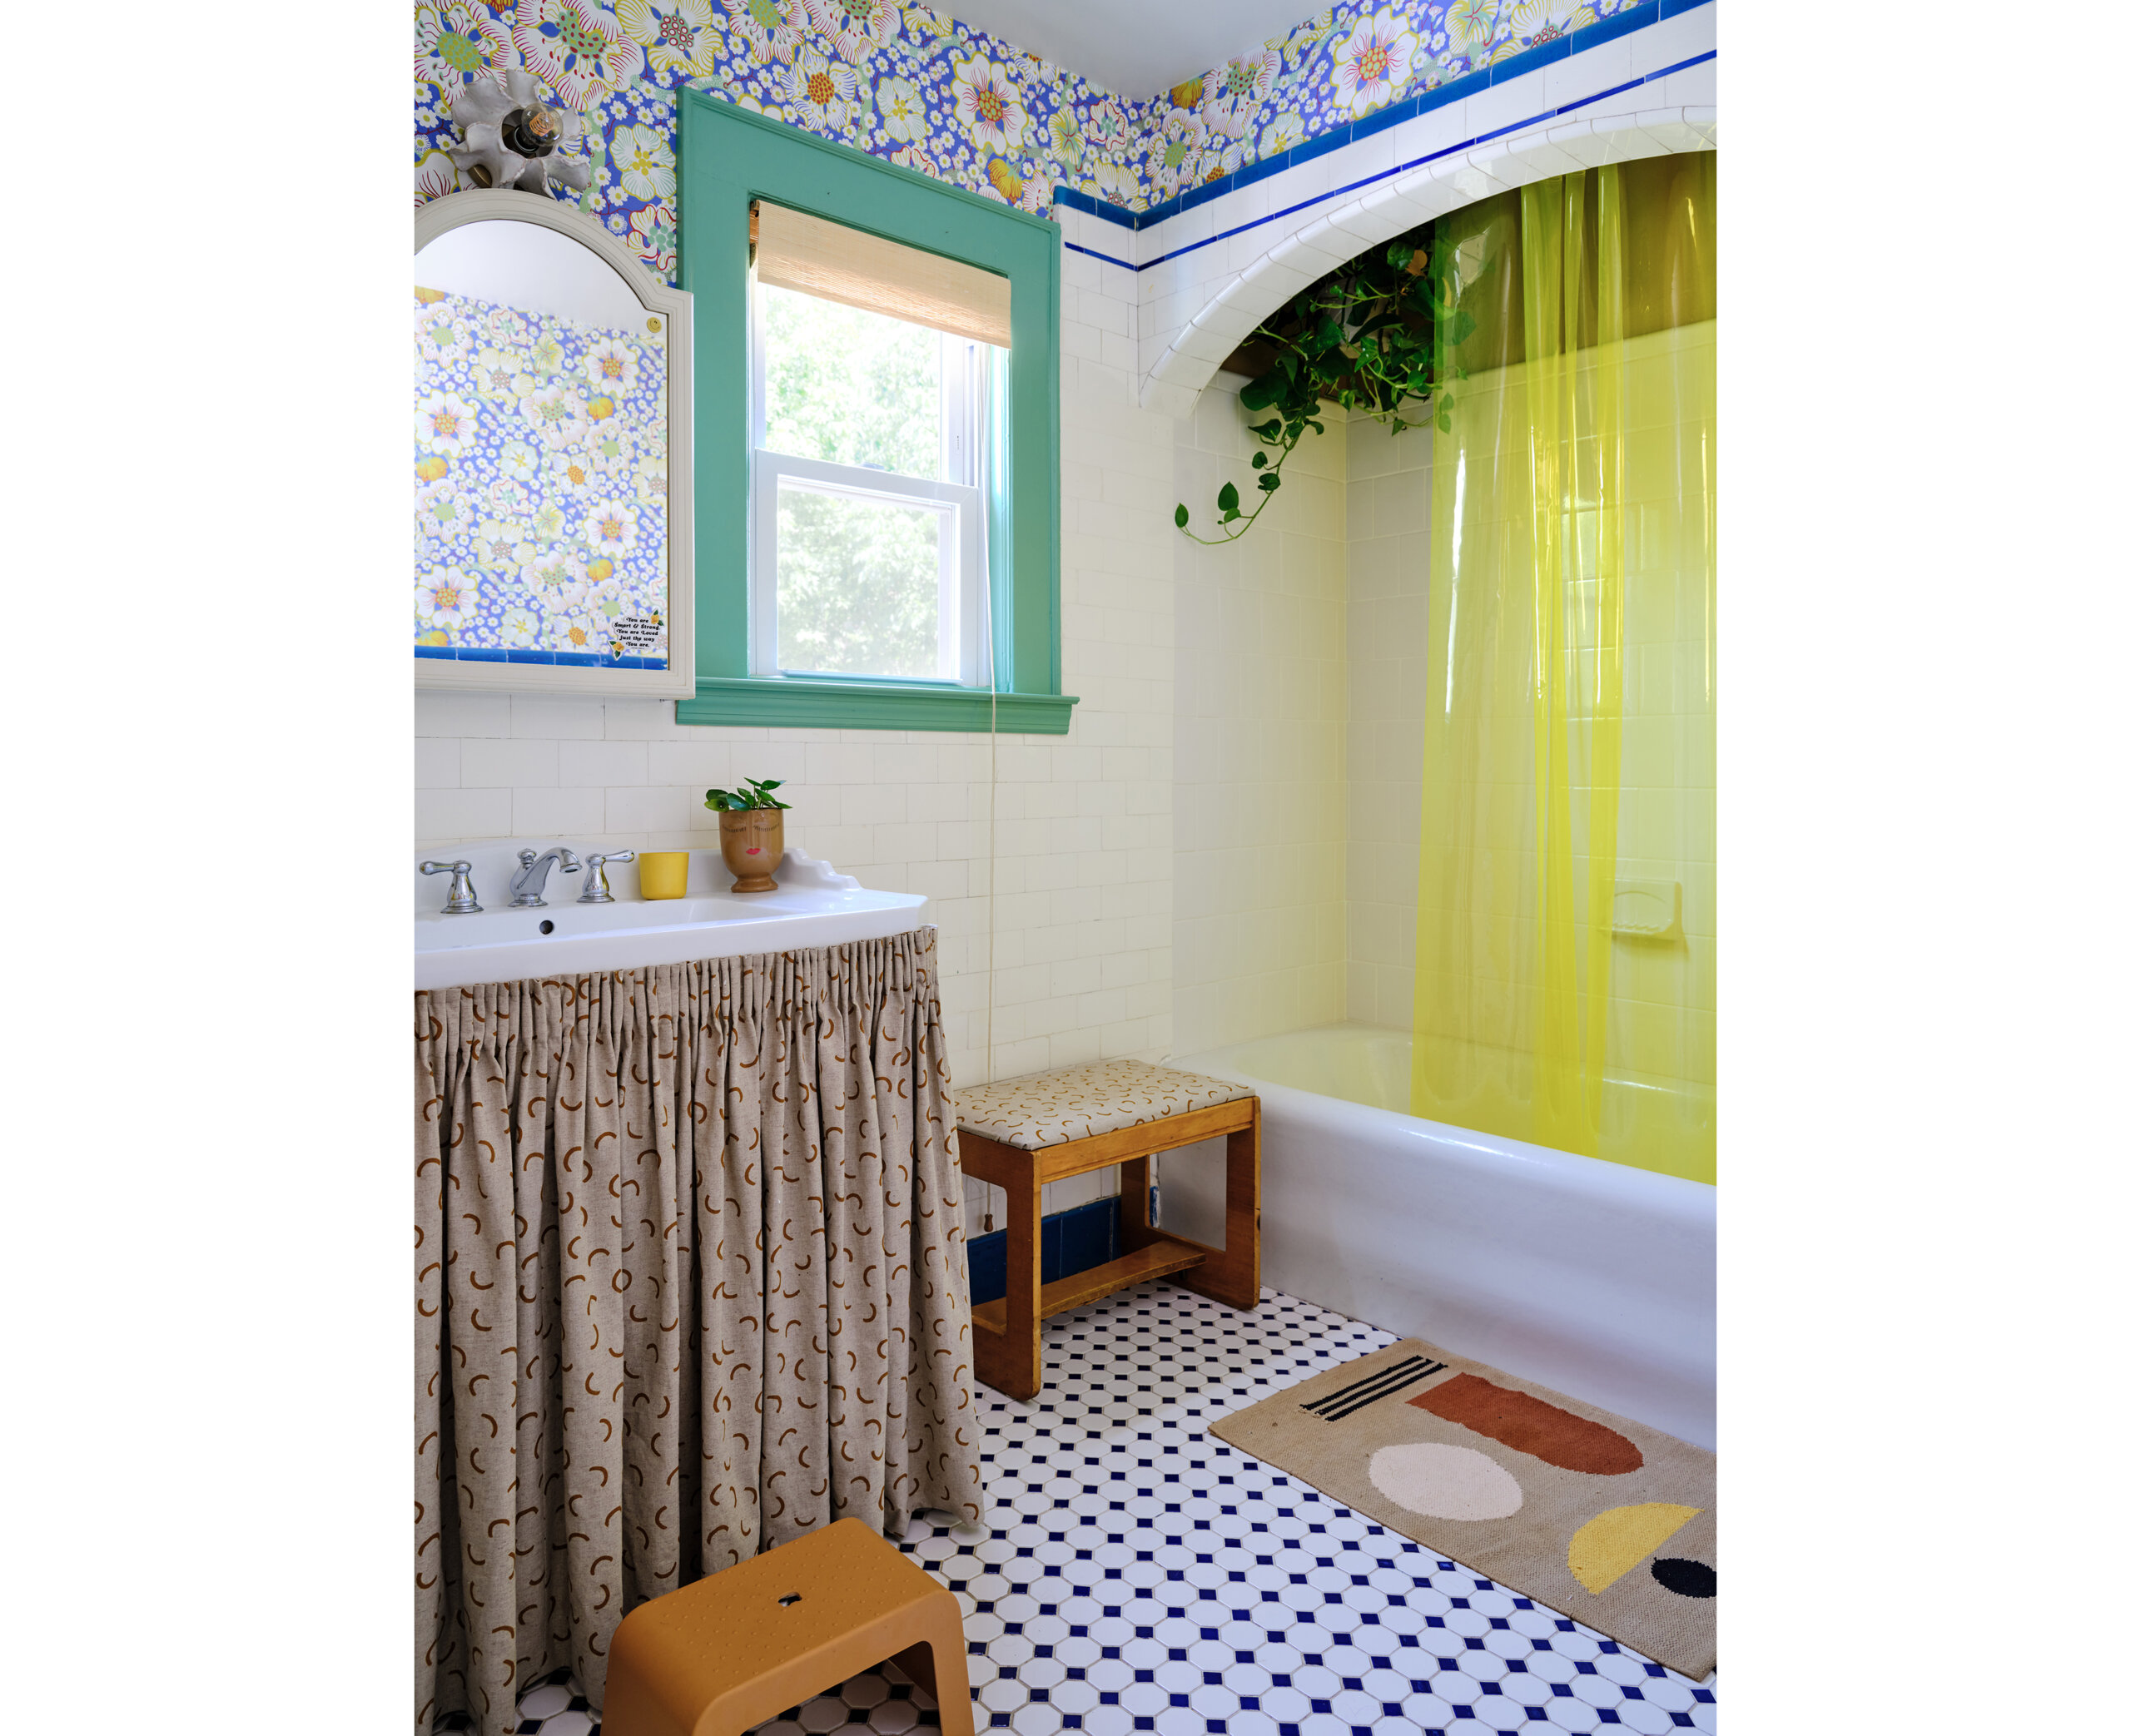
(1364,338)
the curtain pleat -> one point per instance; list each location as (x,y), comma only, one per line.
(691,1280)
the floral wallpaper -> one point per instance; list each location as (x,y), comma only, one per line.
(1340,66)
(540,486)
(909,83)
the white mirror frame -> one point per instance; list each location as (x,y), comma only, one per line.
(678,680)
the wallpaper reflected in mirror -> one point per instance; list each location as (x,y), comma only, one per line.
(540,494)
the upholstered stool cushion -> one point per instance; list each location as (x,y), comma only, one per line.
(1040,1109)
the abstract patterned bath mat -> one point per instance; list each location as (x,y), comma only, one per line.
(1607,1521)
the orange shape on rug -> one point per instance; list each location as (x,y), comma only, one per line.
(1530,1426)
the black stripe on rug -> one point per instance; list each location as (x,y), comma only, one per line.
(1335,1407)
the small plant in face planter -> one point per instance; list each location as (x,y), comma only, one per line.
(750,831)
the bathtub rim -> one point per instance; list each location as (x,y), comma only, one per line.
(1675,1196)
(1596,1280)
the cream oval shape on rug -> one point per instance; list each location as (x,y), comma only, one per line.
(1444,1482)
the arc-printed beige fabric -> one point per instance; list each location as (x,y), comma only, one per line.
(692,1281)
(1077,1103)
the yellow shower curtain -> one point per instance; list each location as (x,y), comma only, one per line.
(1565,961)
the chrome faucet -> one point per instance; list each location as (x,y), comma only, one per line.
(531,880)
(596,889)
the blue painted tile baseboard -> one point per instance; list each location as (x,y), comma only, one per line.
(1073,1241)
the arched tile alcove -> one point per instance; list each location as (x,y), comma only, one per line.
(1277,265)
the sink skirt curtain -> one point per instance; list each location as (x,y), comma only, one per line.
(692,1281)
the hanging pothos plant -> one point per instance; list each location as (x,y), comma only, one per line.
(1364,338)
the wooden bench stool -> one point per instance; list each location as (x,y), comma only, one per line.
(732,1651)
(1021,1133)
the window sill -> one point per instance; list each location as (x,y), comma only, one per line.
(786,703)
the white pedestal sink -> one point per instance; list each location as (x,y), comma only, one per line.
(813,906)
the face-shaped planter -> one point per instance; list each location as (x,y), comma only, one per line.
(752,841)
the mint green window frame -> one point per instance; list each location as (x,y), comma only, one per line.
(728,158)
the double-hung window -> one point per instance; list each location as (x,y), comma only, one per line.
(875,514)
(872,378)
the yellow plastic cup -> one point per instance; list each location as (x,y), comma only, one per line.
(663,873)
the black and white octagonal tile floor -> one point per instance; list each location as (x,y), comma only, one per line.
(1139,1574)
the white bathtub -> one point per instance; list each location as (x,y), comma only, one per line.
(1593,1278)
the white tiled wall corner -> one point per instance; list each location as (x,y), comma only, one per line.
(1261,705)
(1388,488)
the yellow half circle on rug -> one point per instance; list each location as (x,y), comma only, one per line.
(1608,1546)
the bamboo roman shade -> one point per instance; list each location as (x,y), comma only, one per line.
(796,251)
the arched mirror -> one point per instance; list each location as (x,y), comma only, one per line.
(552,474)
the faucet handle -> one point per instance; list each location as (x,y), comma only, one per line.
(461,901)
(596,890)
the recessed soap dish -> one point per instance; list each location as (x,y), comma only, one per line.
(1646,910)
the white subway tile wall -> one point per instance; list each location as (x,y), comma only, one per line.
(1261,739)
(1388,485)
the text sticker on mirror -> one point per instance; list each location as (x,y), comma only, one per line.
(636,635)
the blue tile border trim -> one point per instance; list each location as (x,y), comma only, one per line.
(1531,59)
(1108,258)
(573,659)
(1606,29)
(1382,174)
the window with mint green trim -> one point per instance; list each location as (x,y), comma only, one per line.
(728,158)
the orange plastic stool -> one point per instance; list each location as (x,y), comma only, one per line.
(732,1651)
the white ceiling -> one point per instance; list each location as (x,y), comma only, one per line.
(1135,48)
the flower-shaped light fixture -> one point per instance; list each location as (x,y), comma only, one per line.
(517,137)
